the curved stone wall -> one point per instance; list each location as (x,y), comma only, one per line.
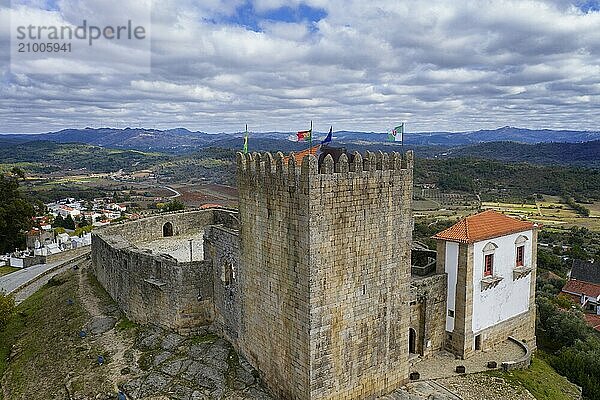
(152,287)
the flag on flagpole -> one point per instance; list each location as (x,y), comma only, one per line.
(328,138)
(397,133)
(305,135)
(246,140)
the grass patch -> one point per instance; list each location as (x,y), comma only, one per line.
(207,338)
(40,346)
(233,362)
(106,302)
(541,380)
(7,270)
(125,324)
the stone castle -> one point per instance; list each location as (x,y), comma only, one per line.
(311,278)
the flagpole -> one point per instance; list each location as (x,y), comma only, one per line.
(402,143)
(310,137)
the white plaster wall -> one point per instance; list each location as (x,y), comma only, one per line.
(16,262)
(451,268)
(509,298)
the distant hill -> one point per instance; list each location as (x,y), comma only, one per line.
(181,140)
(582,154)
(46,156)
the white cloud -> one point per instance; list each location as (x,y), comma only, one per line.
(441,65)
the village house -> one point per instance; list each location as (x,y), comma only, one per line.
(583,287)
(490,261)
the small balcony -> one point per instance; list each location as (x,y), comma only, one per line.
(490,281)
(521,272)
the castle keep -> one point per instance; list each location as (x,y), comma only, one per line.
(310,279)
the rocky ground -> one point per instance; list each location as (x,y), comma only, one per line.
(484,387)
(151,363)
(170,366)
(70,341)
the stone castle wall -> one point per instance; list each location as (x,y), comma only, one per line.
(222,248)
(428,313)
(274,246)
(156,288)
(325,286)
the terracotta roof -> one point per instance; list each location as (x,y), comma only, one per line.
(593,321)
(300,155)
(210,205)
(581,287)
(485,225)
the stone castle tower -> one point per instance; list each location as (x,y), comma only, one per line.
(325,272)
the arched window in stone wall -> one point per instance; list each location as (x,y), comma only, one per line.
(167,229)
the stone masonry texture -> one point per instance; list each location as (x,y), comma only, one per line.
(326,258)
(310,280)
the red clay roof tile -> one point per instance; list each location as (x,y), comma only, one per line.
(593,321)
(300,155)
(485,225)
(582,287)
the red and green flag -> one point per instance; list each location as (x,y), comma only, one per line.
(304,135)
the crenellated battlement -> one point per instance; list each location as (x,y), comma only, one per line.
(279,167)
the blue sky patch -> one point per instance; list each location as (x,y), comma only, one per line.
(249,18)
(589,6)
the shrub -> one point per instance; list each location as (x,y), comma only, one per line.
(7,308)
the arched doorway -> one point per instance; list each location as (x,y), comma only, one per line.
(412,341)
(168,229)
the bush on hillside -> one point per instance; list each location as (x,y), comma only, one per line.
(7,308)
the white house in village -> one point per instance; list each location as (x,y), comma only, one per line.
(490,260)
(583,285)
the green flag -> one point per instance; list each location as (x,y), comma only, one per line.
(396,135)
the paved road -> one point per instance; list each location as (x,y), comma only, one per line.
(177,194)
(10,282)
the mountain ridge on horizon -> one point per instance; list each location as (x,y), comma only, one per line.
(177,140)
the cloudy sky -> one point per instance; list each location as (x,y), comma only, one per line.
(359,65)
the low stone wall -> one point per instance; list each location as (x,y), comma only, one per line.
(65,255)
(155,288)
(521,363)
(520,327)
(25,262)
(27,289)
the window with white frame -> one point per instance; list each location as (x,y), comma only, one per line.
(488,259)
(520,244)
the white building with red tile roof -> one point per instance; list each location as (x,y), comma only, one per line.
(583,287)
(490,260)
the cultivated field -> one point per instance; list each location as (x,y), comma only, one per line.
(550,211)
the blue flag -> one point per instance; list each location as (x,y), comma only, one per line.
(328,138)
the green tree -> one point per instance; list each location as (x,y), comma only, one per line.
(551,262)
(83,222)
(174,205)
(69,223)
(59,222)
(16,212)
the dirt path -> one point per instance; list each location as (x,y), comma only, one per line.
(116,344)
